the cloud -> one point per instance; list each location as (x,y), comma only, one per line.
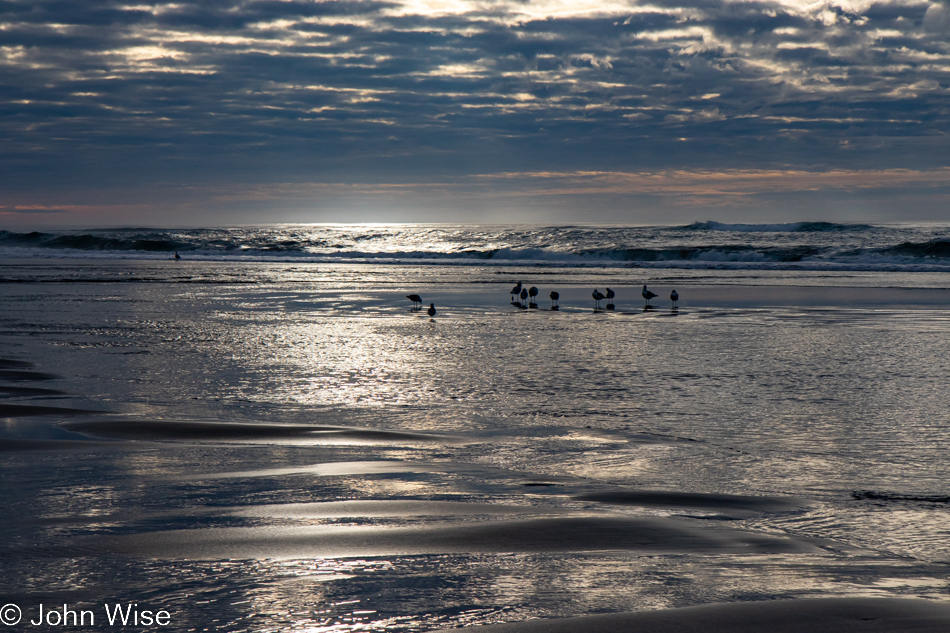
(18,210)
(937,19)
(104,93)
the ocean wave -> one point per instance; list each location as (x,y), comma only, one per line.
(819,245)
(90,242)
(787,227)
(714,253)
(936,248)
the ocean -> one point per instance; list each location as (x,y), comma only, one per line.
(788,246)
(268,435)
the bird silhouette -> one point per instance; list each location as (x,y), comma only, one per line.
(674,297)
(533,292)
(523,295)
(415,299)
(647,294)
(515,292)
(554,297)
(431,310)
(610,295)
(597,297)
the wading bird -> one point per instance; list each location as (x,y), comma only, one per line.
(515,292)
(415,299)
(674,297)
(610,296)
(533,292)
(647,294)
(554,297)
(431,310)
(597,297)
(524,295)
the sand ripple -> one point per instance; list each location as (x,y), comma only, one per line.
(172,430)
(557,534)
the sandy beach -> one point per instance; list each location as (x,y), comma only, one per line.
(842,615)
(506,316)
(302,462)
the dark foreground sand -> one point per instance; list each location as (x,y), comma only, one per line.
(431,527)
(822,615)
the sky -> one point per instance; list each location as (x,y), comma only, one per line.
(228,112)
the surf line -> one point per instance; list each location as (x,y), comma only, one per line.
(128,614)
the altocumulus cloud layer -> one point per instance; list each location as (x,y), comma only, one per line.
(617,108)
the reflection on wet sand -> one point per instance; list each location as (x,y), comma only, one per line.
(560,534)
(283,458)
(671,499)
(156,430)
(842,615)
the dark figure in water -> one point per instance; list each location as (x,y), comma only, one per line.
(674,297)
(610,295)
(533,292)
(554,297)
(524,295)
(515,293)
(416,299)
(647,294)
(177,256)
(431,310)
(597,295)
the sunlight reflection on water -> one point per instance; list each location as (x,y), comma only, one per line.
(536,407)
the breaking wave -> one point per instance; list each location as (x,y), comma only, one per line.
(790,227)
(796,245)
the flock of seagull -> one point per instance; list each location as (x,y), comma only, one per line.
(520,294)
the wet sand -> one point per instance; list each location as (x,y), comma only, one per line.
(559,534)
(184,430)
(823,615)
(668,499)
(392,493)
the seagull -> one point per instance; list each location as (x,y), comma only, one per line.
(515,292)
(431,310)
(524,295)
(674,297)
(554,297)
(647,294)
(610,295)
(415,299)
(533,292)
(597,297)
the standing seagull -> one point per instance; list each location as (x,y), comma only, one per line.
(597,297)
(554,297)
(523,295)
(431,310)
(647,294)
(415,299)
(674,297)
(515,292)
(610,296)
(533,292)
